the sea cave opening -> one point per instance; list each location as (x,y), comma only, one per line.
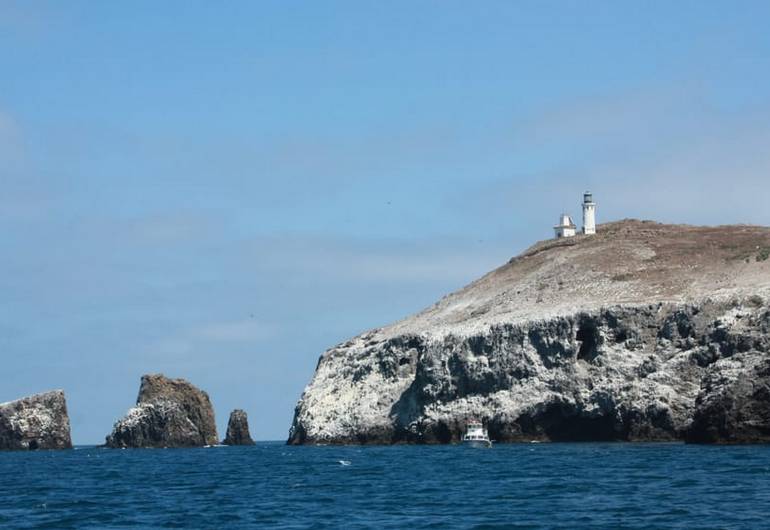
(588,337)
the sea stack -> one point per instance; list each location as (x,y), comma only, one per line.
(238,429)
(639,332)
(35,422)
(168,413)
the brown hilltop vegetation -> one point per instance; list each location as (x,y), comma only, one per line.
(668,260)
(644,331)
(625,262)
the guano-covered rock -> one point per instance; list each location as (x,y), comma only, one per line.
(168,413)
(641,332)
(35,422)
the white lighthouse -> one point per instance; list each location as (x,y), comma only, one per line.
(589,214)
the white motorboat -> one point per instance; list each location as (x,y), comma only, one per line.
(476,435)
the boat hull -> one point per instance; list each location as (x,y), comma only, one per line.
(479,444)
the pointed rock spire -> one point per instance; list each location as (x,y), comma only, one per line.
(238,429)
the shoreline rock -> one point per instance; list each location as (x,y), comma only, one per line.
(35,422)
(238,429)
(168,413)
(733,406)
(653,373)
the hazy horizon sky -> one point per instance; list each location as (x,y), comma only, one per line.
(222,191)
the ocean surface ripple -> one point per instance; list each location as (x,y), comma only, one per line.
(276,486)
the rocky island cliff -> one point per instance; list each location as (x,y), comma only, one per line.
(641,332)
(39,421)
(168,413)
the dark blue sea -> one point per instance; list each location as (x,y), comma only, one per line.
(275,486)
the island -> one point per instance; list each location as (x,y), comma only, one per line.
(640,331)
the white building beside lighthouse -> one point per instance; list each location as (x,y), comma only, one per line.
(566,228)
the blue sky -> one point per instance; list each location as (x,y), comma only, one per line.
(221,192)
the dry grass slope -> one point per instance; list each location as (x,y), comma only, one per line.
(627,262)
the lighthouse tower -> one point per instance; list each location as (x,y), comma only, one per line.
(589,214)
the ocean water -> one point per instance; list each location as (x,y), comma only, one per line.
(275,486)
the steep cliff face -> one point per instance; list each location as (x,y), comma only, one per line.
(641,332)
(168,413)
(35,422)
(238,429)
(734,403)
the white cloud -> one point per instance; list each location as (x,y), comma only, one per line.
(170,347)
(435,260)
(10,140)
(170,227)
(208,338)
(249,330)
(668,154)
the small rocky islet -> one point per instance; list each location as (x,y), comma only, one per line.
(35,422)
(168,413)
(238,429)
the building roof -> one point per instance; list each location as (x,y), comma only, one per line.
(565,221)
